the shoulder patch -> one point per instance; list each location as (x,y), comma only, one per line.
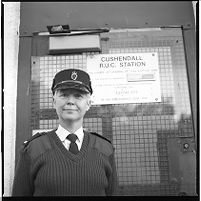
(34,137)
(37,144)
(94,133)
(102,144)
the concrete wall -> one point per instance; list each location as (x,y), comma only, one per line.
(11,47)
(36,16)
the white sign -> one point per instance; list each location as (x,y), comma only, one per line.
(124,78)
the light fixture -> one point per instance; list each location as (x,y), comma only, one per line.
(62,40)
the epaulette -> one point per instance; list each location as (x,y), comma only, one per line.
(94,133)
(25,143)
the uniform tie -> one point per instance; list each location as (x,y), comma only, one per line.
(73,146)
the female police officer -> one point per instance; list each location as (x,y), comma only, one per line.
(68,160)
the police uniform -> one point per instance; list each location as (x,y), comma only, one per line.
(47,168)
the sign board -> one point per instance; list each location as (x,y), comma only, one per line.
(124,78)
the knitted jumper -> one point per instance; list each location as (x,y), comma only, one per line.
(47,168)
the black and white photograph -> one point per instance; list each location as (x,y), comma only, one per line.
(100,99)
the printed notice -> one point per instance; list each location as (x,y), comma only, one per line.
(124,78)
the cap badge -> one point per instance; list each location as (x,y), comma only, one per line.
(74,75)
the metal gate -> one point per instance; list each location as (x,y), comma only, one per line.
(150,139)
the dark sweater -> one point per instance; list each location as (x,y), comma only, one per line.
(47,168)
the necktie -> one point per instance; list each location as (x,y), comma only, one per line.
(73,146)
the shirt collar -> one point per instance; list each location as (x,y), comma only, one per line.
(63,133)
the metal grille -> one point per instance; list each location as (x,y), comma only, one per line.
(139,132)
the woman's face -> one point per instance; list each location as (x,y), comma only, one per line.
(71,104)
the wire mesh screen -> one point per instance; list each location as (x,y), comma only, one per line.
(138,131)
